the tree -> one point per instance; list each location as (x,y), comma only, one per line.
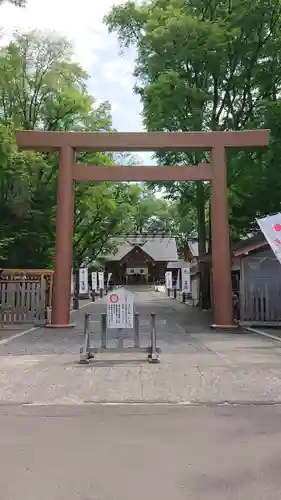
(156,215)
(207,66)
(105,213)
(28,210)
(18,3)
(22,231)
(40,87)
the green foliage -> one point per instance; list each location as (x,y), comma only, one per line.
(205,65)
(103,210)
(18,3)
(41,87)
(155,215)
(23,214)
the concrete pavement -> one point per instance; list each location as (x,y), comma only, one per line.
(197,364)
(125,453)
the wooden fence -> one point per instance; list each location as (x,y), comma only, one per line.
(32,275)
(260,291)
(22,301)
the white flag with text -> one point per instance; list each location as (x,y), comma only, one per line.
(271,228)
(83,280)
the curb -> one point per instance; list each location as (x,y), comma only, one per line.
(263,334)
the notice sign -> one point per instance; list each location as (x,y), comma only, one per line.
(120,309)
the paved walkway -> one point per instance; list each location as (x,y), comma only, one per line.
(197,364)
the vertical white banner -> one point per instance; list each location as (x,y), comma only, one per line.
(101,280)
(168,280)
(72,282)
(108,279)
(83,280)
(271,228)
(178,280)
(185,279)
(94,280)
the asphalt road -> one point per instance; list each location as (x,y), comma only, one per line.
(140,452)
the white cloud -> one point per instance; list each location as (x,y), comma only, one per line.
(97,51)
(80,22)
(119,71)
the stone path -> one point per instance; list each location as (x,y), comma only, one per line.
(197,365)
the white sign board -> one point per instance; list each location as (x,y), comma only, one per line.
(83,280)
(94,281)
(120,309)
(185,279)
(101,280)
(168,280)
(271,228)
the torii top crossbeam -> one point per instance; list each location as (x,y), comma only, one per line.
(140,141)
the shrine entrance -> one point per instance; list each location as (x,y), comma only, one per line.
(215,172)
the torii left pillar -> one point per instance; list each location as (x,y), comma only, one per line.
(64,233)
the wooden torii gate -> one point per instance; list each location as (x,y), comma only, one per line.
(68,143)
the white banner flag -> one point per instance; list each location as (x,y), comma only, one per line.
(271,228)
(72,283)
(94,279)
(168,280)
(83,280)
(185,279)
(108,279)
(178,280)
(101,280)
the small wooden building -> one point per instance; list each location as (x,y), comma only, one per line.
(258,273)
(256,280)
(141,259)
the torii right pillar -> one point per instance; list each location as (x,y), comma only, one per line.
(221,255)
(221,258)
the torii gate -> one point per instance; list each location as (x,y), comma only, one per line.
(68,143)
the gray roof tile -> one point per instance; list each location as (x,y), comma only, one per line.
(159,248)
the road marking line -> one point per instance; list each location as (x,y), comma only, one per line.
(84,305)
(24,332)
(263,334)
(20,334)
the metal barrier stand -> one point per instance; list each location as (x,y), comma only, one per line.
(87,352)
(153,356)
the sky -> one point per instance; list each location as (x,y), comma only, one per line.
(80,21)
